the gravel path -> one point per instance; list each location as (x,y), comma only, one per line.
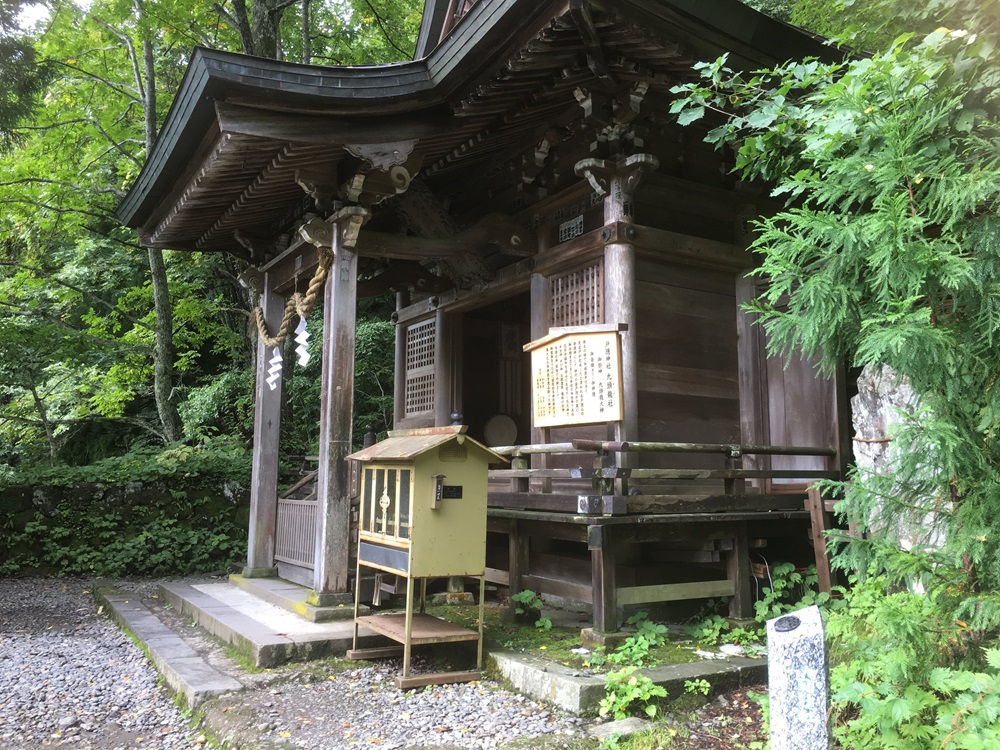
(70,678)
(363,707)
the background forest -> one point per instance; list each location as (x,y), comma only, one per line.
(127,367)
(105,346)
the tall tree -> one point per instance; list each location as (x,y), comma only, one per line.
(22,75)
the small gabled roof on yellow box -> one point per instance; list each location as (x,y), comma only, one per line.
(405,445)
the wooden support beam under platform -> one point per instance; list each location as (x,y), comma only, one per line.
(645,504)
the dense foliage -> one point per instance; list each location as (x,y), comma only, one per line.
(118,364)
(887,252)
(101,351)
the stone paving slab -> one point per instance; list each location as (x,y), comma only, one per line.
(182,668)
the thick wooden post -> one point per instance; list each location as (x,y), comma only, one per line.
(399,382)
(337,410)
(518,550)
(541,303)
(266,429)
(738,571)
(752,382)
(444,369)
(619,305)
(603,585)
(618,181)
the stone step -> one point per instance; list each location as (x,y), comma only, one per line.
(266,634)
(184,670)
(295,598)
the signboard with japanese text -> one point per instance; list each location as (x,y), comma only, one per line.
(576,378)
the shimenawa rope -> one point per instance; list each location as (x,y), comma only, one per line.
(297,304)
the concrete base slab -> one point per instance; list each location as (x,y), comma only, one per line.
(182,668)
(568,689)
(266,634)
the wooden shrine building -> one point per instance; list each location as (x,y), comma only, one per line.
(569,266)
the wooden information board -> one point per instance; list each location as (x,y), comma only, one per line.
(576,376)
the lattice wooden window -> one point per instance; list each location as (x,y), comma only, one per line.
(578,297)
(420,368)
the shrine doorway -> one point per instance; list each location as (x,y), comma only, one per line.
(495,372)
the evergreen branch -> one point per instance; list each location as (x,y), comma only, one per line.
(42,181)
(385,32)
(83,292)
(55,209)
(25,312)
(119,87)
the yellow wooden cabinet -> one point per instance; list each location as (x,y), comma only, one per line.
(423,515)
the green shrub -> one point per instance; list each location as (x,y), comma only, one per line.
(905,677)
(222,457)
(145,541)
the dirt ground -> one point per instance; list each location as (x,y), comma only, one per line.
(730,721)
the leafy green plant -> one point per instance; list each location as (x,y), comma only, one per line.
(221,457)
(790,589)
(164,539)
(635,649)
(544,624)
(903,676)
(710,631)
(697,687)
(526,601)
(626,690)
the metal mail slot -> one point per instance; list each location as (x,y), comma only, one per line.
(385,557)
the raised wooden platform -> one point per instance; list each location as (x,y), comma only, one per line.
(425,629)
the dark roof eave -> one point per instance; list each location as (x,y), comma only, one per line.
(487,34)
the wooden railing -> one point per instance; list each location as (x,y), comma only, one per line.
(613,481)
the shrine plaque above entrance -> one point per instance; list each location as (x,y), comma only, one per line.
(576,376)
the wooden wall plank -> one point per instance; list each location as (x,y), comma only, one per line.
(687,381)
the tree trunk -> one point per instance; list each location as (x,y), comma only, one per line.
(265,24)
(163,353)
(43,416)
(306,33)
(163,356)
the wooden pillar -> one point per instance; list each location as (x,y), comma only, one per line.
(618,181)
(541,303)
(604,587)
(266,430)
(738,571)
(337,409)
(444,369)
(518,550)
(752,381)
(399,380)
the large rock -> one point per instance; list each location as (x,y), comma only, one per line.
(884,399)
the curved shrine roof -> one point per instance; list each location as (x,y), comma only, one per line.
(242,129)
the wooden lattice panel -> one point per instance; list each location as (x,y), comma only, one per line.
(578,297)
(420,368)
